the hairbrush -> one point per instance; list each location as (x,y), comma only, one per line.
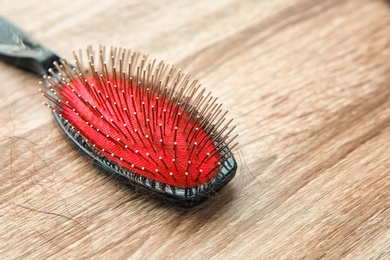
(137,118)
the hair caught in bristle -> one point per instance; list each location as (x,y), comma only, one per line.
(146,116)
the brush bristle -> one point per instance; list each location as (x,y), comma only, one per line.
(146,116)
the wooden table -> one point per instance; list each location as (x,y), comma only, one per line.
(308,83)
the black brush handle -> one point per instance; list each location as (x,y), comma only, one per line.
(20,50)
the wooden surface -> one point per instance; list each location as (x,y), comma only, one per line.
(308,83)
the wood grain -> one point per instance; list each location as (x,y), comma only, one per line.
(308,85)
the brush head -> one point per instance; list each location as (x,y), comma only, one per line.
(144,120)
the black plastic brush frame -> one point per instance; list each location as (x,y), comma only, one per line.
(19,49)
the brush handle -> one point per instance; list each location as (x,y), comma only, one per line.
(21,50)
